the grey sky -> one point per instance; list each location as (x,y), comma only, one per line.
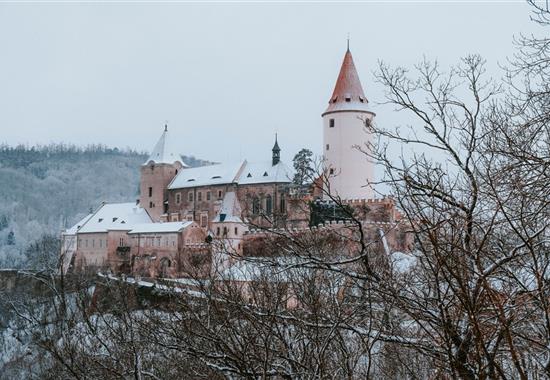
(225,76)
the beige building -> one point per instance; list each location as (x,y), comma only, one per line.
(101,238)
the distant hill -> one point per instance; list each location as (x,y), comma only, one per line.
(44,189)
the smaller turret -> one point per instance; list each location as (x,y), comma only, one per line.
(276,153)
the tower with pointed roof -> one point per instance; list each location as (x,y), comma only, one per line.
(347,169)
(162,165)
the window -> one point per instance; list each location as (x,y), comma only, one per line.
(220,193)
(255,206)
(328,146)
(190,217)
(190,196)
(218,231)
(269,205)
(199,196)
(150,192)
(331,123)
(150,204)
(282,205)
(348,98)
(204,220)
(121,242)
(331,171)
(178,198)
(225,231)
(236,231)
(208,195)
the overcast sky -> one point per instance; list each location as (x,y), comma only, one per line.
(225,76)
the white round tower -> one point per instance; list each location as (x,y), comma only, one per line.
(346,167)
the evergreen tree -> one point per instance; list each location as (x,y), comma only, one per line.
(3,222)
(303,164)
(10,239)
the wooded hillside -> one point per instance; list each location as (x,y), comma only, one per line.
(44,189)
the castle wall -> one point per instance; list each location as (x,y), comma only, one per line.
(170,255)
(153,187)
(91,250)
(202,210)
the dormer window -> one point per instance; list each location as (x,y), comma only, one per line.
(334,99)
(265,174)
(191,180)
(361,99)
(99,221)
(348,98)
(114,219)
(249,175)
(216,177)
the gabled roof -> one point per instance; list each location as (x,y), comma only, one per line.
(115,216)
(168,227)
(165,151)
(74,229)
(218,174)
(348,93)
(230,210)
(241,173)
(265,172)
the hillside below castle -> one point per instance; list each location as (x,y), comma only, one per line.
(44,189)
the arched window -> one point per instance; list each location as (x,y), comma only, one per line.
(268,204)
(255,206)
(282,205)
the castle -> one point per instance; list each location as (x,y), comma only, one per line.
(181,210)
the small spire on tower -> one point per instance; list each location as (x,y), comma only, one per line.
(348,42)
(276,156)
(165,127)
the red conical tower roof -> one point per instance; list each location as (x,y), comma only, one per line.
(348,93)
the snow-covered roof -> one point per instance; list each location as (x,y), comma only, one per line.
(165,151)
(265,172)
(242,173)
(230,210)
(144,228)
(403,262)
(115,216)
(218,174)
(74,229)
(276,269)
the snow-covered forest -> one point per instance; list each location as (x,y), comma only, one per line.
(44,189)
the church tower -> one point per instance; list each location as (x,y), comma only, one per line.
(347,169)
(157,172)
